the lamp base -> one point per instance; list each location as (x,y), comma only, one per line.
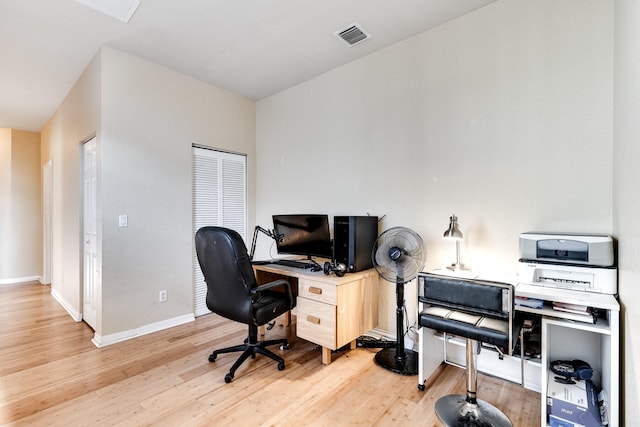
(458,266)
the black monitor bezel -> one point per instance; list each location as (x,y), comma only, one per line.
(282,244)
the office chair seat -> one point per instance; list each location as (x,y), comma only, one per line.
(266,304)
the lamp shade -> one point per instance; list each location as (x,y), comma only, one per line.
(453,232)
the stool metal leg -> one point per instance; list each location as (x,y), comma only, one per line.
(459,410)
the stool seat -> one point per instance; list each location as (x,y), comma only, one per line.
(481,328)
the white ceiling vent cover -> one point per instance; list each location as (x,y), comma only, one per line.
(352,35)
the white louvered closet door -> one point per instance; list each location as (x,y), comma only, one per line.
(220,199)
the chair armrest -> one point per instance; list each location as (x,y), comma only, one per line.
(280,282)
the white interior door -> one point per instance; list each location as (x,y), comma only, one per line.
(90,276)
(219,198)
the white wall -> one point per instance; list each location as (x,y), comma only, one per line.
(146,119)
(25,235)
(503,117)
(151,118)
(5,200)
(77,118)
(626,196)
(20,206)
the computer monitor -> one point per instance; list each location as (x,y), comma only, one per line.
(303,234)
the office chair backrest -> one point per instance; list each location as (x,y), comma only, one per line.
(223,258)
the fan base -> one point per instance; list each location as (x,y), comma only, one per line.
(387,359)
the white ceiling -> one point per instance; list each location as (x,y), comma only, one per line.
(251,47)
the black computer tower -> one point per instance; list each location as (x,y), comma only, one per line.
(353,240)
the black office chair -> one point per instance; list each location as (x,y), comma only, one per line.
(479,311)
(233,292)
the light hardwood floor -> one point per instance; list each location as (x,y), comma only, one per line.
(51,374)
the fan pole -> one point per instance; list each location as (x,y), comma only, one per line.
(399,360)
(401,356)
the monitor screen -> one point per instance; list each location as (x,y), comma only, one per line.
(303,235)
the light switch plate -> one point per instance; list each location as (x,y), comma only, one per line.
(123,221)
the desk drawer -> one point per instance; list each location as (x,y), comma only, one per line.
(316,322)
(317,291)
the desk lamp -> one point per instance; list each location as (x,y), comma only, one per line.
(269,233)
(454,233)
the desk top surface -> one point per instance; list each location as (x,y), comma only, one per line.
(312,275)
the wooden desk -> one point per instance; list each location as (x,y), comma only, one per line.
(331,311)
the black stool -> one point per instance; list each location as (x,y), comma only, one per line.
(479,311)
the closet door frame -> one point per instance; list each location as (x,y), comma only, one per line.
(219,199)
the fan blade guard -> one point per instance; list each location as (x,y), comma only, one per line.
(399,255)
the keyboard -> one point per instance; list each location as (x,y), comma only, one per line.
(262,262)
(293,263)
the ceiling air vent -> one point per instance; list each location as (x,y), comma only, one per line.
(353,35)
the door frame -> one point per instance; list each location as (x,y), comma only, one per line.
(47,222)
(89,319)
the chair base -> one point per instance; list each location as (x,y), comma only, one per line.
(251,349)
(388,359)
(455,411)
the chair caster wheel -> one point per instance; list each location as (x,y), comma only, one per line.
(284,347)
(421,387)
(212,358)
(228,378)
(280,366)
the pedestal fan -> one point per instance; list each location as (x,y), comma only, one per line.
(398,256)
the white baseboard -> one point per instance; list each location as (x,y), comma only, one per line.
(75,314)
(381,334)
(21,280)
(103,341)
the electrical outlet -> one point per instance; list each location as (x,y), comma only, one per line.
(162,296)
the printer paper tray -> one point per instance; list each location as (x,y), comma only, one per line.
(589,299)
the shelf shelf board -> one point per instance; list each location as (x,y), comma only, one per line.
(589,299)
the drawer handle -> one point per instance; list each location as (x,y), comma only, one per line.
(313,319)
(315,290)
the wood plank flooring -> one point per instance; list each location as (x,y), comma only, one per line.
(51,374)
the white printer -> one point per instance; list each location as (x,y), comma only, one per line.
(577,262)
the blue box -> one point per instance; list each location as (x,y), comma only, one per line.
(572,405)
(558,422)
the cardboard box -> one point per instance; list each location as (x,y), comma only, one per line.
(572,405)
